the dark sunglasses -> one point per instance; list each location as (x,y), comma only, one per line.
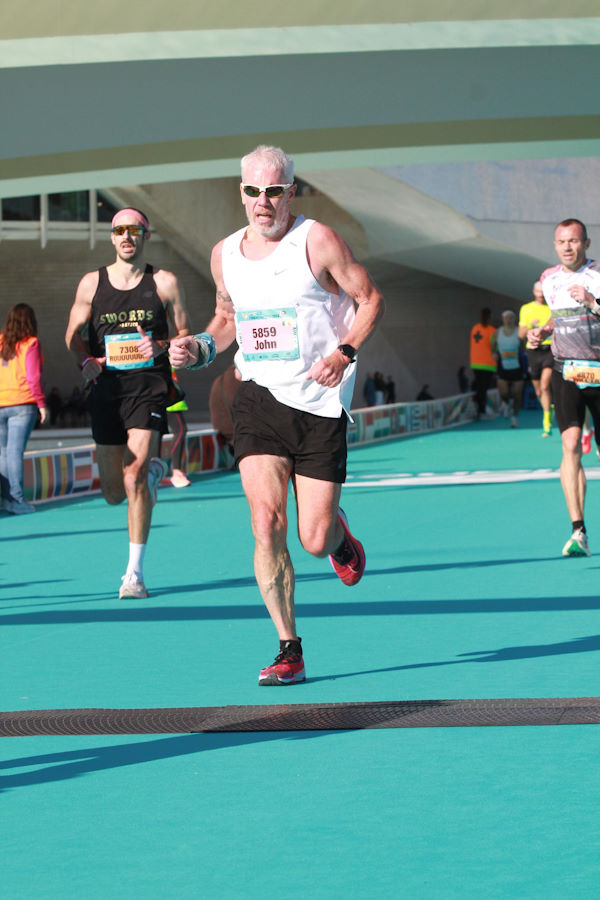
(270,190)
(134,230)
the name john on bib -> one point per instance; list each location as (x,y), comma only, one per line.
(268,334)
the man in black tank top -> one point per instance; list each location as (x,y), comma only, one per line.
(126,309)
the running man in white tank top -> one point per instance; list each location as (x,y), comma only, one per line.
(299,305)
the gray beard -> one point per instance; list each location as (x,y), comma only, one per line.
(277,229)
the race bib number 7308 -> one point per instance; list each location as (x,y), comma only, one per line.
(122,351)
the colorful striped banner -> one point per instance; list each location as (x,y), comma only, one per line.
(52,474)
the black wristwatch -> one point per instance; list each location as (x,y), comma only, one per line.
(348,350)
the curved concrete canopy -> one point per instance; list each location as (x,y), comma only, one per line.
(146,92)
(143,93)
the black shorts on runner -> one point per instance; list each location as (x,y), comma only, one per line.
(316,445)
(120,402)
(510,374)
(570,403)
(539,358)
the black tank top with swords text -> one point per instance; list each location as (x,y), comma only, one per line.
(118,312)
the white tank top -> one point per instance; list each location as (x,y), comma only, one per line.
(286,321)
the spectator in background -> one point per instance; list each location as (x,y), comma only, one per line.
(369,389)
(390,390)
(75,409)
(55,405)
(379,389)
(483,363)
(424,393)
(21,396)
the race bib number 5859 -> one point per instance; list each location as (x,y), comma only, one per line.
(268,334)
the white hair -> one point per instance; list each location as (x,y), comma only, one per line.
(274,156)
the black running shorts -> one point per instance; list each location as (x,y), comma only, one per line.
(510,374)
(120,402)
(316,445)
(539,359)
(570,403)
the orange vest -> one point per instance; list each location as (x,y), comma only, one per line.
(481,348)
(14,387)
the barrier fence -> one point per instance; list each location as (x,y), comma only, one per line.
(73,472)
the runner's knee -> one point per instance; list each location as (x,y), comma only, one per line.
(316,538)
(269,526)
(571,442)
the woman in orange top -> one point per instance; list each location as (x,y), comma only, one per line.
(21,396)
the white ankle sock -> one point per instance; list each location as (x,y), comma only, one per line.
(136,560)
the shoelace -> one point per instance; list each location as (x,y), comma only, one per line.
(288,654)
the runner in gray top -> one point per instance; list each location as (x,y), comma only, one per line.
(571,290)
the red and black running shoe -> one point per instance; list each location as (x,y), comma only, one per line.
(349,563)
(288,667)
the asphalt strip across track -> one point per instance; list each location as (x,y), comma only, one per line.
(305,717)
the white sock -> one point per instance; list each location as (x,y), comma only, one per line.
(136,560)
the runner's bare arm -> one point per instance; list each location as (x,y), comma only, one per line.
(171,292)
(222,325)
(172,295)
(334,265)
(184,351)
(579,293)
(536,336)
(78,318)
(494,344)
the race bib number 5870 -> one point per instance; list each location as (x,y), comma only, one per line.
(583,372)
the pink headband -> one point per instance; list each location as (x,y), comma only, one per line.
(135,213)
